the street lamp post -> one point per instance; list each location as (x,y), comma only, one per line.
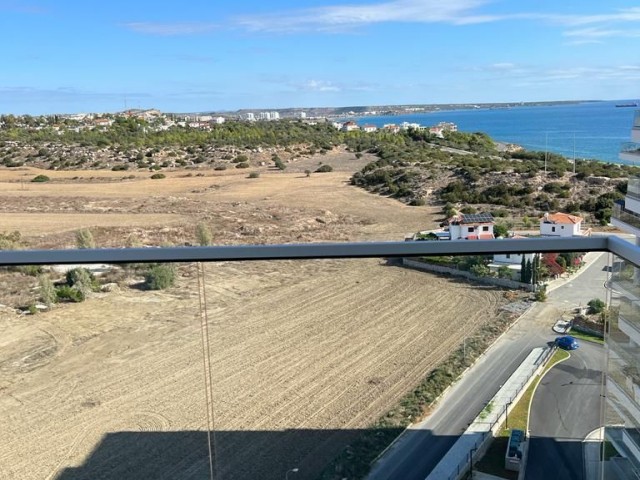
(506,414)
(293,470)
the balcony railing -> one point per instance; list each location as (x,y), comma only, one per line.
(625,216)
(124,355)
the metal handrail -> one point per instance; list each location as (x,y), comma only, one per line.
(321,250)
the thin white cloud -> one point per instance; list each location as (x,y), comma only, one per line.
(620,16)
(598,33)
(320,86)
(344,17)
(171,29)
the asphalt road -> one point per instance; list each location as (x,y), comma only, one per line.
(419,450)
(566,407)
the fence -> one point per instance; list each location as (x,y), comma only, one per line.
(500,282)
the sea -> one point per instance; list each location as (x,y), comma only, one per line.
(587,130)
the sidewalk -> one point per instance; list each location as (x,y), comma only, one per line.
(588,259)
(489,420)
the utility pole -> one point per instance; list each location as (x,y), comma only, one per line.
(574,153)
(546,150)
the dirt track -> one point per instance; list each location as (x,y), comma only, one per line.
(303,353)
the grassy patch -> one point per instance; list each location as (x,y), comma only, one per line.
(587,337)
(493,460)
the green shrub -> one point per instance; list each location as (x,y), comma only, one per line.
(220,167)
(279,163)
(40,179)
(242,165)
(31,270)
(67,293)
(47,290)
(240,159)
(10,241)
(84,239)
(82,279)
(254,175)
(120,167)
(160,276)
(157,176)
(596,306)
(541,294)
(203,235)
(324,169)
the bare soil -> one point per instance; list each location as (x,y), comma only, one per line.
(303,354)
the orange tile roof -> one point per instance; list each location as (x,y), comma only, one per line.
(562,218)
(486,236)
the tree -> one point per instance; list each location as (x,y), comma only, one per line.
(528,275)
(500,230)
(523,271)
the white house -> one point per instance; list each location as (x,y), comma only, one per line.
(369,128)
(513,261)
(560,225)
(473,226)
(350,126)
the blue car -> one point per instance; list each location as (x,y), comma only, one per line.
(567,342)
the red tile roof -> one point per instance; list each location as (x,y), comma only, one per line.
(561,218)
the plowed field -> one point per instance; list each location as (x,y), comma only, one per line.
(303,354)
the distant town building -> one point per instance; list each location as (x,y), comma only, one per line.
(269,116)
(302,114)
(369,128)
(391,127)
(219,120)
(350,126)
(250,116)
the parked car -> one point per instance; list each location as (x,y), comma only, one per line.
(567,342)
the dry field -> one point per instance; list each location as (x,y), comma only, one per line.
(303,354)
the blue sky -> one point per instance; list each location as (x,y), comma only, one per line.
(197,55)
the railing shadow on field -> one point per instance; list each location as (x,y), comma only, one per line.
(272,455)
(240,455)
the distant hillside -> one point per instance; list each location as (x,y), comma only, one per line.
(466,171)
